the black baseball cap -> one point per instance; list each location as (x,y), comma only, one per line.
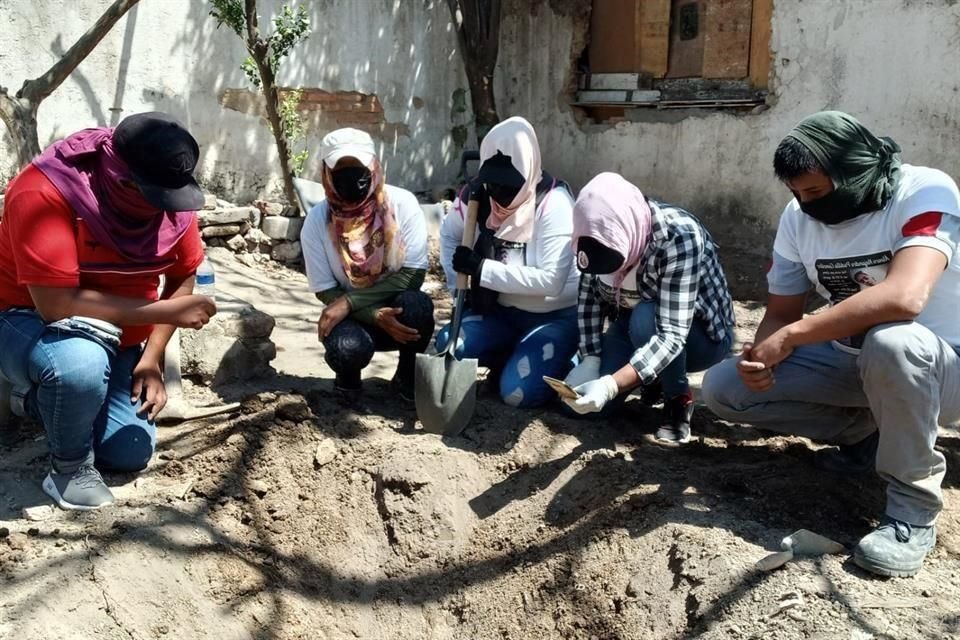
(499,170)
(162,155)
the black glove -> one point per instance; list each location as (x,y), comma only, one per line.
(467,261)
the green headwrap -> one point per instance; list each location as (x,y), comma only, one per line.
(864,168)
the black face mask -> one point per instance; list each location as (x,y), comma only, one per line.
(593,257)
(352,183)
(835,207)
(502,193)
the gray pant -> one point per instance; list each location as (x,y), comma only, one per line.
(905,381)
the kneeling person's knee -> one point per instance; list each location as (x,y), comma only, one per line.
(417,311)
(720,387)
(349,347)
(127,450)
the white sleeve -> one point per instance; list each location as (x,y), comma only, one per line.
(413,229)
(554,230)
(929,214)
(785,242)
(451,234)
(319,273)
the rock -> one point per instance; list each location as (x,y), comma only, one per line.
(39,513)
(209,202)
(269,208)
(33,532)
(287,252)
(4,532)
(220,231)
(282,228)
(259,487)
(635,586)
(237,243)
(221,253)
(257,237)
(223,204)
(249,259)
(294,408)
(234,346)
(325,454)
(17,541)
(229,215)
(238,319)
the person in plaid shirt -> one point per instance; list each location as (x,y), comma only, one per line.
(652,270)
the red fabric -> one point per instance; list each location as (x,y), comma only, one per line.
(44,243)
(925,224)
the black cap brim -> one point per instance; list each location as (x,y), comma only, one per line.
(188,197)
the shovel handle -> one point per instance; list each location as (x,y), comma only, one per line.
(469,232)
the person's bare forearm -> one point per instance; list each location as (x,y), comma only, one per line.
(768,326)
(858,313)
(161,334)
(58,303)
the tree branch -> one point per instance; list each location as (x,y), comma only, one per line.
(34,91)
(253,26)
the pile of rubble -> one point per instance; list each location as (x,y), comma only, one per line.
(265,230)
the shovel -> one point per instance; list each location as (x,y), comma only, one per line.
(446,388)
(177,408)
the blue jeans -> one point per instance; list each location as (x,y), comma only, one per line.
(631,331)
(526,345)
(79,388)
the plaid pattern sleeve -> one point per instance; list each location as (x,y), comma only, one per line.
(679,263)
(590,316)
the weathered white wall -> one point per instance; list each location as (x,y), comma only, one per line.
(168,55)
(893,63)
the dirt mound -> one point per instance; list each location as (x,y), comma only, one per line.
(326,517)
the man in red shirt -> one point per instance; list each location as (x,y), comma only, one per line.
(88,229)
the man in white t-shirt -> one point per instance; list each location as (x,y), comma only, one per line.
(878,370)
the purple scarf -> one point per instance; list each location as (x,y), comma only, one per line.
(87,172)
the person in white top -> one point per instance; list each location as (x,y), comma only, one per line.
(878,370)
(522,320)
(365,250)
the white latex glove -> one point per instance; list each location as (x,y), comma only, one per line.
(594,395)
(587,370)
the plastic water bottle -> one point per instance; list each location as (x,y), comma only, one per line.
(205,284)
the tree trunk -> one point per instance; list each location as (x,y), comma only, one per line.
(19,112)
(20,118)
(259,51)
(478,36)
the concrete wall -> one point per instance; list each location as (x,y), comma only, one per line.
(168,55)
(893,63)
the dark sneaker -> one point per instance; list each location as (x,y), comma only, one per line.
(81,490)
(860,457)
(895,548)
(347,382)
(677,413)
(651,394)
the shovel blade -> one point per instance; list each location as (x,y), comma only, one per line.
(446,392)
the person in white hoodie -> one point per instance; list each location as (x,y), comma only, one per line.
(522,316)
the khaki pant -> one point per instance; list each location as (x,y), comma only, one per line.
(905,381)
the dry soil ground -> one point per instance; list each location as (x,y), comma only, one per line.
(310,515)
